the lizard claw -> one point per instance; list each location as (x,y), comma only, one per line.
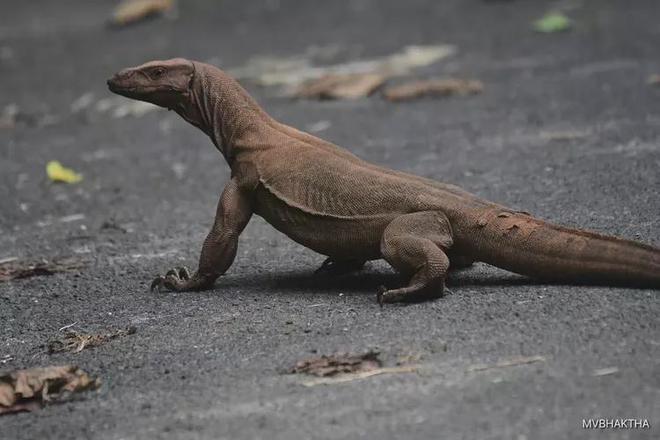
(174,279)
(325,266)
(379,295)
(156,284)
(179,273)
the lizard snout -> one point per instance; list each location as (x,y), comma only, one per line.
(119,80)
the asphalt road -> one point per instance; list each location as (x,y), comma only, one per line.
(567,128)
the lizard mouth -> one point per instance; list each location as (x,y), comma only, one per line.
(115,87)
(131,91)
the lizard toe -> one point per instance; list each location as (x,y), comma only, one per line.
(157,284)
(379,295)
(183,273)
(172,273)
(325,267)
(173,282)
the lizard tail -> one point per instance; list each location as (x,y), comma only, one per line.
(520,243)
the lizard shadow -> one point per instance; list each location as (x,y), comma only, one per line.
(300,281)
(368,281)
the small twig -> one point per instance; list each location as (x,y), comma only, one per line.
(67,326)
(521,360)
(359,375)
(605,371)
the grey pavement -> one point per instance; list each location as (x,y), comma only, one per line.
(567,128)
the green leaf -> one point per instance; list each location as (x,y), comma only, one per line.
(57,173)
(552,22)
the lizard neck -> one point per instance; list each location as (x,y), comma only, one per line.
(223,110)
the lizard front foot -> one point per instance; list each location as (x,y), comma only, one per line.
(178,280)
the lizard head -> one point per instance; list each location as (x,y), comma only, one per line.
(164,83)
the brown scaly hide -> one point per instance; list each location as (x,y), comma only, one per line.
(327,199)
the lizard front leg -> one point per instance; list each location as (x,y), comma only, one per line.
(219,249)
(415,245)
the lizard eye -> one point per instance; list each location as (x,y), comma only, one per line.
(158,72)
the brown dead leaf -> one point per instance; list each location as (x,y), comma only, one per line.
(13,270)
(27,390)
(338,364)
(351,86)
(8,117)
(6,394)
(433,87)
(75,342)
(295,70)
(654,80)
(131,11)
(12,117)
(344,367)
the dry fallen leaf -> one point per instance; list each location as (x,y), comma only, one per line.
(340,363)
(120,107)
(344,367)
(8,117)
(13,270)
(295,70)
(433,87)
(12,116)
(27,390)
(351,86)
(76,342)
(318,126)
(654,80)
(58,173)
(131,11)
(512,362)
(552,22)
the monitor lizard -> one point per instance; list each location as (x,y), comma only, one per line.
(329,200)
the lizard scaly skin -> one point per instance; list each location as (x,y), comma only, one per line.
(333,202)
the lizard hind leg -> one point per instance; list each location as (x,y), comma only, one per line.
(415,244)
